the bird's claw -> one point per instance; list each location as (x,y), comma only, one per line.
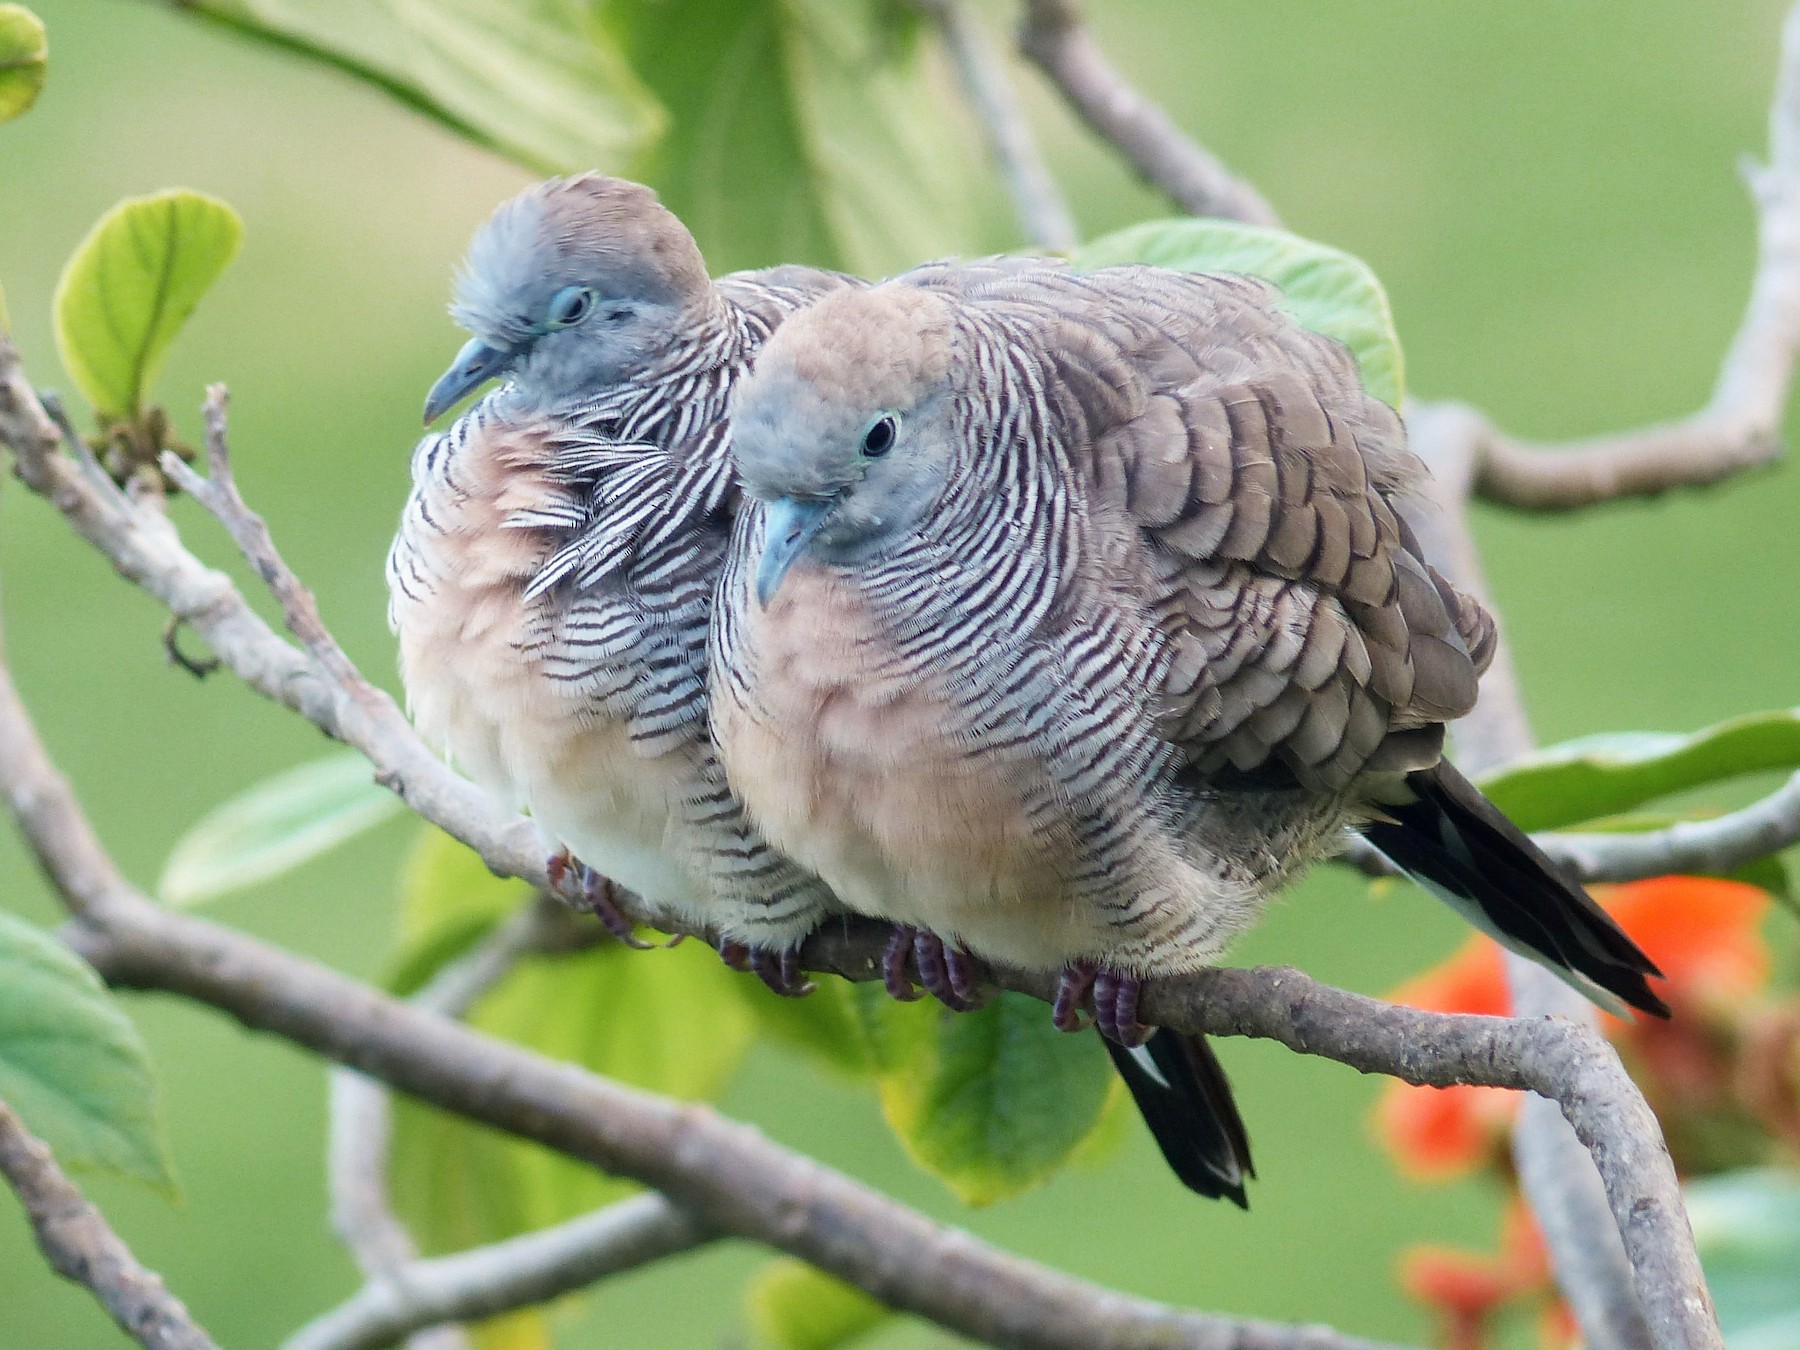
(1115,1008)
(779,968)
(894,974)
(948,973)
(1072,989)
(595,894)
(1115,1002)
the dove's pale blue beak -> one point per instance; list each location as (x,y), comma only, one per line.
(475,365)
(789,523)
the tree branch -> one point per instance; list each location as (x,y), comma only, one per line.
(506,1275)
(1594,1266)
(724,1176)
(361,1128)
(172,953)
(1055,36)
(1739,428)
(1722,845)
(80,1246)
(1038,203)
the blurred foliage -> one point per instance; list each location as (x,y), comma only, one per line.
(1747,1226)
(1453,147)
(72,1064)
(670,1021)
(1603,775)
(131,285)
(277,825)
(792,1306)
(1325,289)
(24,60)
(539,80)
(794,130)
(993,1101)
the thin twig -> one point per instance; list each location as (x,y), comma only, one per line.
(1055,36)
(80,1246)
(1038,203)
(361,1117)
(517,1273)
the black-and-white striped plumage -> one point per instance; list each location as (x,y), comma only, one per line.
(1133,625)
(551,581)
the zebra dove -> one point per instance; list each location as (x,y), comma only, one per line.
(551,581)
(1076,615)
(552,576)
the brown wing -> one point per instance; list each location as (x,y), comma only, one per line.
(1304,625)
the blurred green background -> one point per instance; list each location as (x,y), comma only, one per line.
(1549,191)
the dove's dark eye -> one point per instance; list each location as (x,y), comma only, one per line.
(570,305)
(880,437)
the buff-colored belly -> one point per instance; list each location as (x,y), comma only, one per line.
(860,774)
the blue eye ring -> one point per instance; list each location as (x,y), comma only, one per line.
(880,435)
(570,306)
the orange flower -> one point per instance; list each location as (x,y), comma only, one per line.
(1705,935)
(1703,932)
(1435,1134)
(1469,1291)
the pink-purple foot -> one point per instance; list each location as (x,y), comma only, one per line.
(947,972)
(1116,1007)
(1071,991)
(894,974)
(779,968)
(596,894)
(736,955)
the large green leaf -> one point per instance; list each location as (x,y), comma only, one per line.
(667,1020)
(72,1064)
(24,60)
(992,1102)
(536,79)
(804,131)
(780,130)
(1326,290)
(131,285)
(1747,1227)
(793,1306)
(1609,774)
(824,1025)
(274,827)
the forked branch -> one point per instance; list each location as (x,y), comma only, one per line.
(80,1245)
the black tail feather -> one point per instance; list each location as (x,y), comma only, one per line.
(1181,1090)
(1456,843)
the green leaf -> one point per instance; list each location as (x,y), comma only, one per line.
(24,60)
(669,1020)
(1327,290)
(1747,1228)
(824,1025)
(1606,775)
(793,1306)
(780,130)
(72,1064)
(538,80)
(992,1102)
(274,827)
(805,131)
(131,285)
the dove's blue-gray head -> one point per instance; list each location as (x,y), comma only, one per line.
(847,429)
(568,288)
